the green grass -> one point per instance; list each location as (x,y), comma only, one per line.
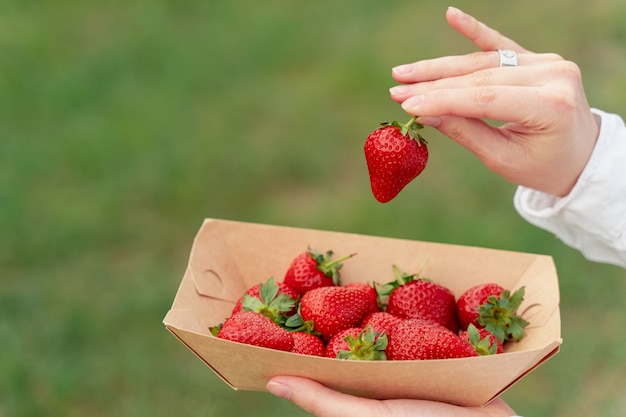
(124,124)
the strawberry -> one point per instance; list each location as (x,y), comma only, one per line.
(368,289)
(419,339)
(332,309)
(361,344)
(275,300)
(381,321)
(414,297)
(483,341)
(471,299)
(339,342)
(254,329)
(307,344)
(312,269)
(491,306)
(395,155)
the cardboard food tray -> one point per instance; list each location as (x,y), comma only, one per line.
(227,257)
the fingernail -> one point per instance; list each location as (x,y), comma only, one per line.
(279,390)
(400,90)
(457,12)
(432,121)
(412,102)
(402,69)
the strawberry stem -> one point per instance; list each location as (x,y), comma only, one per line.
(411,128)
(410,122)
(336,261)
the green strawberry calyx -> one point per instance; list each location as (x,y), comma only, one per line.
(499,315)
(411,128)
(273,304)
(329,267)
(367,346)
(483,346)
(402,278)
(296,323)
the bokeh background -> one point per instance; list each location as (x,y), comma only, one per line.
(123,124)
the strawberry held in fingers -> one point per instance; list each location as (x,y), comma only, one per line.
(395,154)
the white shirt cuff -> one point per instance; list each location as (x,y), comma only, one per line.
(592,218)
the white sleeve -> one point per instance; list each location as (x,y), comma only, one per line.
(592,218)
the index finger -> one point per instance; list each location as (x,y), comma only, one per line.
(481,35)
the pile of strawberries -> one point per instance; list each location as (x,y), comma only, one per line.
(310,312)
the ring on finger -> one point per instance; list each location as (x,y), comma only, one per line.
(508,58)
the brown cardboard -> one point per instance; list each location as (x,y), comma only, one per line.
(227,257)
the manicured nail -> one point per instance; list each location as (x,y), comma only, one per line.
(432,121)
(402,69)
(400,90)
(412,103)
(457,12)
(279,390)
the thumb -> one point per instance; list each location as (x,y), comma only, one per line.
(481,35)
(319,400)
(477,136)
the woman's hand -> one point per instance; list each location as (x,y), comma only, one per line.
(324,402)
(549,130)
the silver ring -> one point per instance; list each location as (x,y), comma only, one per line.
(508,58)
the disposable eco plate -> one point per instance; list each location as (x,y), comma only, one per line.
(227,257)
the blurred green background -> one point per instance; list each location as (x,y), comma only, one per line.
(124,124)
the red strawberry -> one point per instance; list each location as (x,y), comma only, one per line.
(354,343)
(255,329)
(275,300)
(414,297)
(368,289)
(419,339)
(307,344)
(395,155)
(381,321)
(494,308)
(338,342)
(332,309)
(471,299)
(312,269)
(483,341)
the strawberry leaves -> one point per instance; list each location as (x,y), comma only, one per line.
(368,345)
(272,303)
(411,128)
(499,315)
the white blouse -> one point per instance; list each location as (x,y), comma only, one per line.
(592,218)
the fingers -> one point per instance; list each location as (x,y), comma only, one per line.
(507,94)
(490,144)
(527,76)
(454,66)
(485,38)
(319,400)
(505,103)
(324,402)
(481,35)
